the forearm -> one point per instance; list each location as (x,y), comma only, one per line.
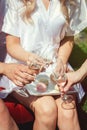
(82,71)
(66,49)
(15,50)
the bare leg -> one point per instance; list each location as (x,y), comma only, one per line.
(6,121)
(67,119)
(45,111)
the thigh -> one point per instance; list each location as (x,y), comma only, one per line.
(34,101)
(67,115)
(67,109)
(68,104)
(6,121)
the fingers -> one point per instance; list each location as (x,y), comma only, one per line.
(38,64)
(22,75)
(66,88)
(23,78)
(27,71)
(70,80)
(19,81)
(35,58)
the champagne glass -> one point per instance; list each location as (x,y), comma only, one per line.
(67,98)
(59,77)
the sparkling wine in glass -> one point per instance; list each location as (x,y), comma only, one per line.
(59,77)
(67,98)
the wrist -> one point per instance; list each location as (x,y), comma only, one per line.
(2,68)
(28,59)
(80,74)
(64,61)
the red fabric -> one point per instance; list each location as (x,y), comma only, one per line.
(2,88)
(19,113)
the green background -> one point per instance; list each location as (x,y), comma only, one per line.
(78,56)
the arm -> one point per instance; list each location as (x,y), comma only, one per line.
(66,49)
(76,76)
(18,73)
(15,49)
(64,52)
(82,71)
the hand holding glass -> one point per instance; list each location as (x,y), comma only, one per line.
(59,77)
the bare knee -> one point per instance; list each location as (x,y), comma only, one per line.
(6,121)
(69,120)
(69,114)
(46,111)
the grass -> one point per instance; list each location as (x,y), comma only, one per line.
(79,53)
